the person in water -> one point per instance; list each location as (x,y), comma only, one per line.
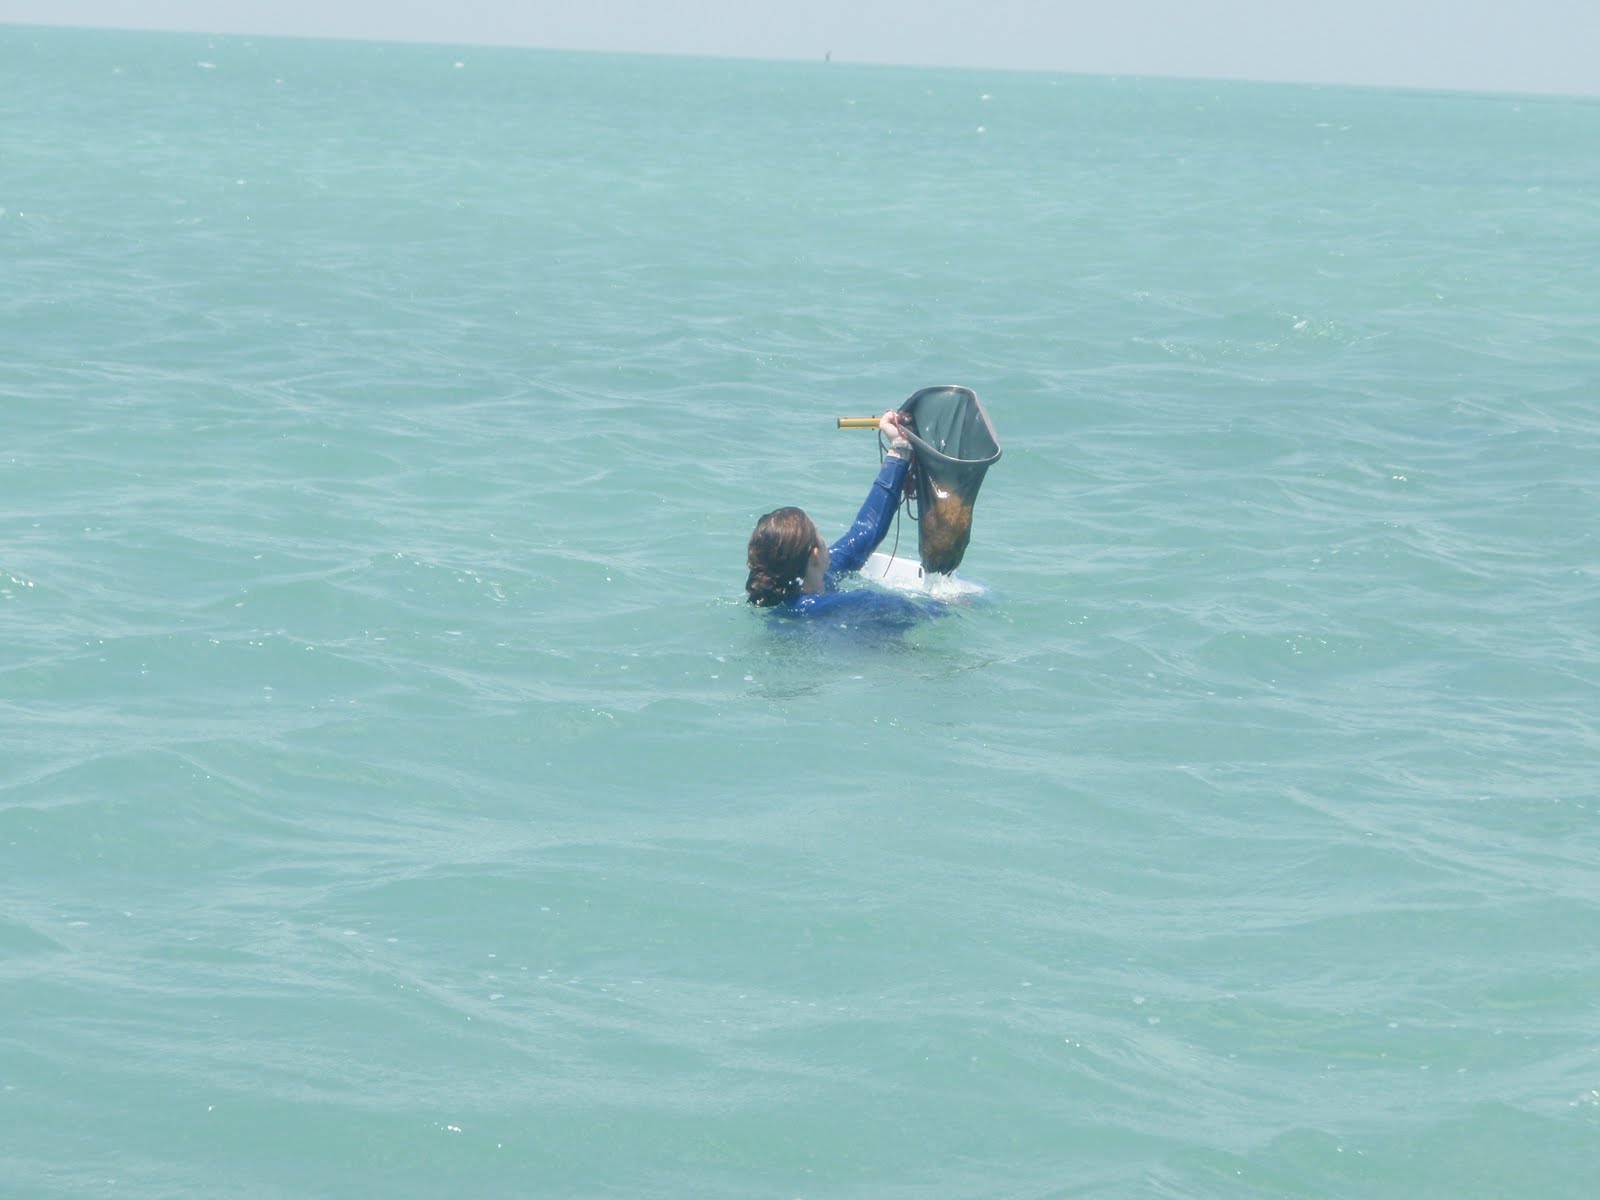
(793,570)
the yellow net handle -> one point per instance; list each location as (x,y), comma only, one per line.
(858,422)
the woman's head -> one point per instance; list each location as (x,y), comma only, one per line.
(779,553)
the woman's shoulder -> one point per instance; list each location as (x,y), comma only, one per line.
(861,603)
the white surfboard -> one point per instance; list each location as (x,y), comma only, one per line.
(907,575)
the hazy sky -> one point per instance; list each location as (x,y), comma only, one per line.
(1496,45)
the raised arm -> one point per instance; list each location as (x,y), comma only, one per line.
(872,522)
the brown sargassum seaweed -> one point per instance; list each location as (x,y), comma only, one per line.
(943,530)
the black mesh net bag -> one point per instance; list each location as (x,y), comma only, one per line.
(955,444)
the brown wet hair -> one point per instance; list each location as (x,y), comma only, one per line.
(779,551)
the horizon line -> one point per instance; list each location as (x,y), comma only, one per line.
(826,58)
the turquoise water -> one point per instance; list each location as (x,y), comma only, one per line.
(398,800)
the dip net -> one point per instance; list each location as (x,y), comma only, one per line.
(955,445)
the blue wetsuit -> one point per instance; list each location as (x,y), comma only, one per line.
(877,605)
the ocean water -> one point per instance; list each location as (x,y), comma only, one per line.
(398,800)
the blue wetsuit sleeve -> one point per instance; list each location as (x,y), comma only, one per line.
(872,522)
